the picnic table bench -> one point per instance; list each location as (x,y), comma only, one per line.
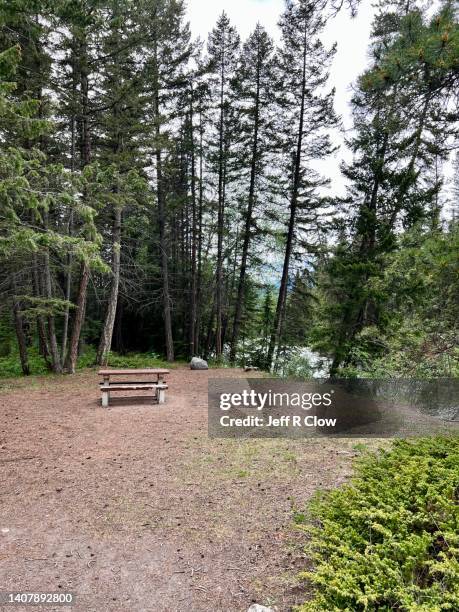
(153,379)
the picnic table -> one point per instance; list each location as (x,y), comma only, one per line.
(153,379)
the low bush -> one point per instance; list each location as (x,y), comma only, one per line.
(10,365)
(389,540)
(136,360)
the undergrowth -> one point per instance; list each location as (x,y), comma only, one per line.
(389,540)
(10,365)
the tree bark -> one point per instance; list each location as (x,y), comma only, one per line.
(194,230)
(68,278)
(68,289)
(169,340)
(19,328)
(41,327)
(107,333)
(72,355)
(197,340)
(52,339)
(164,264)
(220,220)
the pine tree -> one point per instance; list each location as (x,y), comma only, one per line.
(253,88)
(398,116)
(121,134)
(82,26)
(168,50)
(307,115)
(223,48)
(31,187)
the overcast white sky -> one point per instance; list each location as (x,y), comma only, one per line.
(352,36)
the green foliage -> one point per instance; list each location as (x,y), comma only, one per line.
(399,142)
(7,338)
(122,136)
(298,312)
(418,293)
(297,365)
(432,47)
(390,539)
(137,360)
(10,365)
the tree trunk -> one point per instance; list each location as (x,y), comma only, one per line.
(166,293)
(41,328)
(68,278)
(194,229)
(19,328)
(68,289)
(107,333)
(197,339)
(210,330)
(220,222)
(163,242)
(52,339)
(72,355)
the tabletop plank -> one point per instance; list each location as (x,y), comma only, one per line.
(134,372)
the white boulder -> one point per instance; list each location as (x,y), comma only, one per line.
(198,364)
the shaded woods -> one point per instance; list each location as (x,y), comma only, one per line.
(162,194)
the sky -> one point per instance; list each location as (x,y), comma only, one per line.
(351,35)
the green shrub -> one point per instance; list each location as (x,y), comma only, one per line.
(136,360)
(10,365)
(389,540)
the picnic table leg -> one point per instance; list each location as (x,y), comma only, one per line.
(105,392)
(160,393)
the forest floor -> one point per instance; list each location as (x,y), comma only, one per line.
(135,508)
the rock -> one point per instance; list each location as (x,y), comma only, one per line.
(258,608)
(198,364)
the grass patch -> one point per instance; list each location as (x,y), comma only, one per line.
(389,540)
(265,461)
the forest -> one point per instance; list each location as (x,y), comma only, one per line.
(163,195)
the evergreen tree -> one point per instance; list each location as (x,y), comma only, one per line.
(167,51)
(306,115)
(31,187)
(399,112)
(223,49)
(192,175)
(121,135)
(253,88)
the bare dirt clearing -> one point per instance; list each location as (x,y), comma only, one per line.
(134,508)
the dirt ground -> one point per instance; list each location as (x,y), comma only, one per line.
(135,508)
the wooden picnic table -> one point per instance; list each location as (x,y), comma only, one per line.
(155,382)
